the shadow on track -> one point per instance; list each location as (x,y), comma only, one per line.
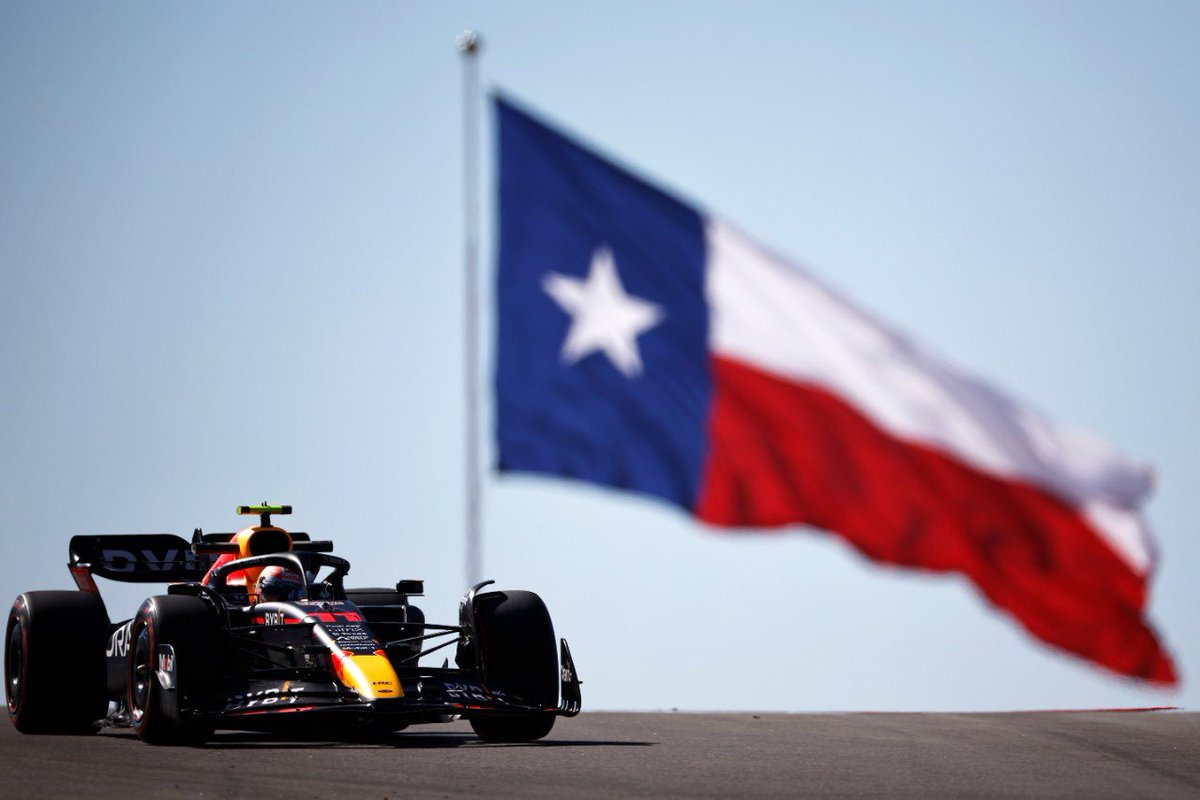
(240,740)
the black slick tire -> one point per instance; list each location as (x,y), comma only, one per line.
(519,658)
(191,627)
(54,662)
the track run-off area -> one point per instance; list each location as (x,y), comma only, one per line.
(599,754)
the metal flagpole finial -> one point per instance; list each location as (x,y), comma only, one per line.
(468,42)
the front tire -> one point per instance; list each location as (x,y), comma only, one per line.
(519,658)
(190,626)
(54,671)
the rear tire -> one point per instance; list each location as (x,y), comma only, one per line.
(191,627)
(520,659)
(54,670)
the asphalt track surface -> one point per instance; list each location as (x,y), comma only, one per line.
(1047,754)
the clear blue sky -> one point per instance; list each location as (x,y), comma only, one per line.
(230,270)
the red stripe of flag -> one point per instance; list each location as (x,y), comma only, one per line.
(784,453)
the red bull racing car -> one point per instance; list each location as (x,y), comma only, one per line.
(258,632)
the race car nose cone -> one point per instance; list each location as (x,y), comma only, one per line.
(371,675)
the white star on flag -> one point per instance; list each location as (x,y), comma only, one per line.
(603,316)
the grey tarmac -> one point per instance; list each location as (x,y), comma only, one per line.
(1037,754)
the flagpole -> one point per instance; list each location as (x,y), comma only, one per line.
(469,44)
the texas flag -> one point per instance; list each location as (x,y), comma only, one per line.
(647,345)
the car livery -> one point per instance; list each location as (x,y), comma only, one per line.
(216,651)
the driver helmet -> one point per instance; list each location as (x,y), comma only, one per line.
(276,584)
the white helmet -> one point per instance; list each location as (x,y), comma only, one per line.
(279,583)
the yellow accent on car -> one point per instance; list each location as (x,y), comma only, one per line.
(264,509)
(371,675)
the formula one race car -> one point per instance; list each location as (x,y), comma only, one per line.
(257,632)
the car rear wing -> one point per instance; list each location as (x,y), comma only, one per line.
(146,557)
